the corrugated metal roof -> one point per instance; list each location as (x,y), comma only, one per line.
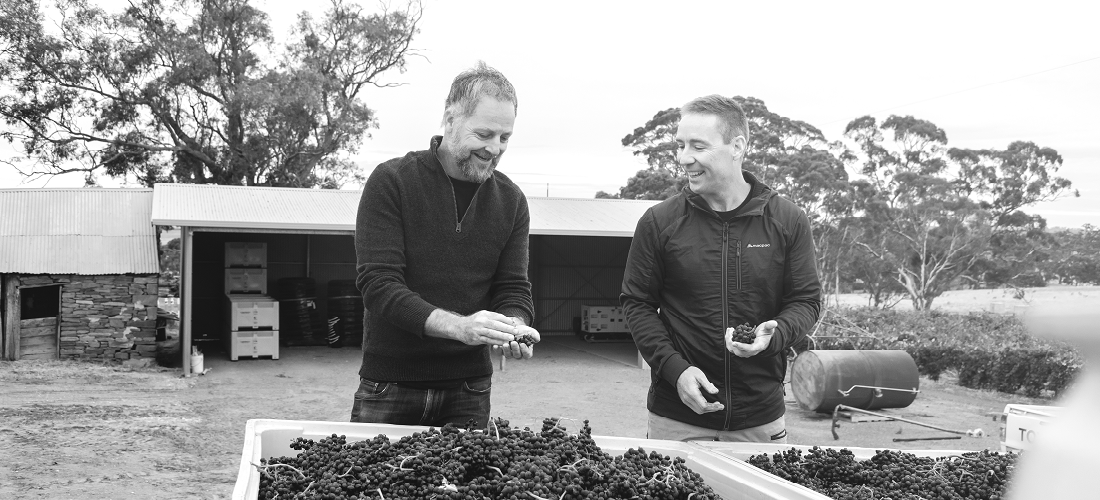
(77,231)
(586,216)
(251,207)
(290,209)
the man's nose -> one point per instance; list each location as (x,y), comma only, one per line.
(684,158)
(495,146)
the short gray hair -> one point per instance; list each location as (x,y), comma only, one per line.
(731,117)
(470,85)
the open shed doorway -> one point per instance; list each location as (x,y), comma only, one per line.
(39,320)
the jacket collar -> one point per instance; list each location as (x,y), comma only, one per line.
(758,196)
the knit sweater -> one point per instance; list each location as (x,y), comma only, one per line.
(415,255)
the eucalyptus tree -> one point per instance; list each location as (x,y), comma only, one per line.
(194,91)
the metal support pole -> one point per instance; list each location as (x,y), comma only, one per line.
(186,280)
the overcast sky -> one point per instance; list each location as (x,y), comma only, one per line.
(588,72)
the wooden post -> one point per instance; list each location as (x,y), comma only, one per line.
(186,279)
(12,313)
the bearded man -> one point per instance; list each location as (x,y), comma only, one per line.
(441,245)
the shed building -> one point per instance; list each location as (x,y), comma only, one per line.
(78,274)
(578,247)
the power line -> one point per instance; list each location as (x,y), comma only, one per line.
(975,88)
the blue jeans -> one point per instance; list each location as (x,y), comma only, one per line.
(393,403)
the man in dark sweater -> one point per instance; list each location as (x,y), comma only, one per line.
(441,244)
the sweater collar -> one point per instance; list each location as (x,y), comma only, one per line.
(433,160)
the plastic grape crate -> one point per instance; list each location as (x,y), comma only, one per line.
(731,479)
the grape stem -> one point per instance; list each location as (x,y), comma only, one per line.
(263,468)
(536,497)
(401,466)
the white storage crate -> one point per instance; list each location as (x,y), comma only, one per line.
(245,254)
(596,319)
(740,453)
(1022,425)
(243,280)
(252,312)
(253,344)
(731,479)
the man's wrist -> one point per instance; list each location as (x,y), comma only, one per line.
(440,324)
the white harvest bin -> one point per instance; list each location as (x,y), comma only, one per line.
(731,479)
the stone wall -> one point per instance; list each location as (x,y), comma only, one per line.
(108,317)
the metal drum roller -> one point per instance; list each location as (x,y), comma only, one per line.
(869,380)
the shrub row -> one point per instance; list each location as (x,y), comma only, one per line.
(986,350)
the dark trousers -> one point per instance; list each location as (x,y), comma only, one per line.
(394,403)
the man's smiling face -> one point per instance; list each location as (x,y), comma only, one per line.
(710,162)
(476,142)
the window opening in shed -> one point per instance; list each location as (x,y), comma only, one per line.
(40,302)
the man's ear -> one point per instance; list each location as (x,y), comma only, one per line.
(448,119)
(738,147)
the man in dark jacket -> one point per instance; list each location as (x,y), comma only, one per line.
(724,252)
(441,244)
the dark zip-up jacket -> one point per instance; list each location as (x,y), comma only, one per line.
(690,275)
(414,255)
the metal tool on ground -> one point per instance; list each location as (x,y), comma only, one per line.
(933,438)
(878,390)
(836,424)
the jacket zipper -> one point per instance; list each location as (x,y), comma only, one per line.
(726,313)
(738,271)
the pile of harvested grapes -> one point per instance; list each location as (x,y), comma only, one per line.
(892,474)
(457,463)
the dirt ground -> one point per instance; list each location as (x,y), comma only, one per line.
(77,431)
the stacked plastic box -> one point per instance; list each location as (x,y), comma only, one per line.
(252,317)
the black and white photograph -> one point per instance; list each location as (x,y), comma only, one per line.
(264,249)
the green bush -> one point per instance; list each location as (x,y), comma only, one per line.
(985,350)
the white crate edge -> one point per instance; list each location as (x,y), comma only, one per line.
(761,485)
(742,451)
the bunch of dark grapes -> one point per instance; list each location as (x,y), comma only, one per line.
(500,462)
(892,474)
(525,338)
(745,334)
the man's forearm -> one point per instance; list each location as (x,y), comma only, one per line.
(441,324)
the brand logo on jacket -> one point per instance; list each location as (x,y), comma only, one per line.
(759,245)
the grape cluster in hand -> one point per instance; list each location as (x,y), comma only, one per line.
(745,334)
(525,339)
(462,463)
(892,474)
